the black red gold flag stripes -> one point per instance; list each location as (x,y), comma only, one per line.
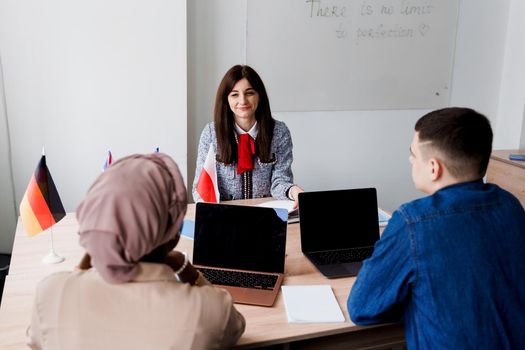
(41,206)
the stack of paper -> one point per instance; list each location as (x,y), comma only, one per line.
(311,304)
(382,217)
(293,214)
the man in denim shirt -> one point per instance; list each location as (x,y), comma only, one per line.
(450,266)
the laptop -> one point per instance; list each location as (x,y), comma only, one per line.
(241,249)
(338,229)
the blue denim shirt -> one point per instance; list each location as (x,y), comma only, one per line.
(451,266)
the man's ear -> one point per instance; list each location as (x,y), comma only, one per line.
(435,169)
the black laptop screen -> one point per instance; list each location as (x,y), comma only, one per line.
(338,219)
(240,237)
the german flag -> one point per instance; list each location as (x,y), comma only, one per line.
(41,206)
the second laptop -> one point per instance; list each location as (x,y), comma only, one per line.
(338,229)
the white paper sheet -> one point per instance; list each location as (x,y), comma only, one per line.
(311,304)
(285,204)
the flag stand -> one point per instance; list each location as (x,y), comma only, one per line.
(41,207)
(52,257)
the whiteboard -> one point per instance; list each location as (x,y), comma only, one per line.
(353,55)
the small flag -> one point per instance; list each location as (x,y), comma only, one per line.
(108,161)
(207,184)
(41,206)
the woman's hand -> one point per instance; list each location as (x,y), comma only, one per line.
(189,274)
(293,193)
(85,262)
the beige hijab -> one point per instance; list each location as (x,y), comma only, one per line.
(133,207)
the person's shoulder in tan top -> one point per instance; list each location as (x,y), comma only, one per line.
(79,310)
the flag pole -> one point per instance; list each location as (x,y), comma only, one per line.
(52,257)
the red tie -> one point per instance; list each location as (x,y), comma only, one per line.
(246,148)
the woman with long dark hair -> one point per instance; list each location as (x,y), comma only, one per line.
(253,151)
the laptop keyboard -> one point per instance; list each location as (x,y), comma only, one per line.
(341,256)
(239,278)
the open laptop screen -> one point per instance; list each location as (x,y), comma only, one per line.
(240,237)
(338,219)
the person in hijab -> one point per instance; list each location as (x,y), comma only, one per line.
(131,290)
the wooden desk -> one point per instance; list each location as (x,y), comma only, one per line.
(508,174)
(265,326)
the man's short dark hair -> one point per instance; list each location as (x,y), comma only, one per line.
(463,136)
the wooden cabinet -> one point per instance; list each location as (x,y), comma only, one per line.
(508,174)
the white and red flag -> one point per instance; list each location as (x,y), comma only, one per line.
(207,187)
(108,161)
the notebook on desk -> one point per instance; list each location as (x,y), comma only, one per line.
(241,249)
(338,229)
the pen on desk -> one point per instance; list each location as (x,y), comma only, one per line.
(517,157)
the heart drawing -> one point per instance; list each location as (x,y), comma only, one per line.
(423,29)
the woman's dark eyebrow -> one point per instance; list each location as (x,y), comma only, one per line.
(247,90)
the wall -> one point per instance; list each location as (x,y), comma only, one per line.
(355,148)
(84,76)
(480,47)
(510,124)
(522,139)
(7,206)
